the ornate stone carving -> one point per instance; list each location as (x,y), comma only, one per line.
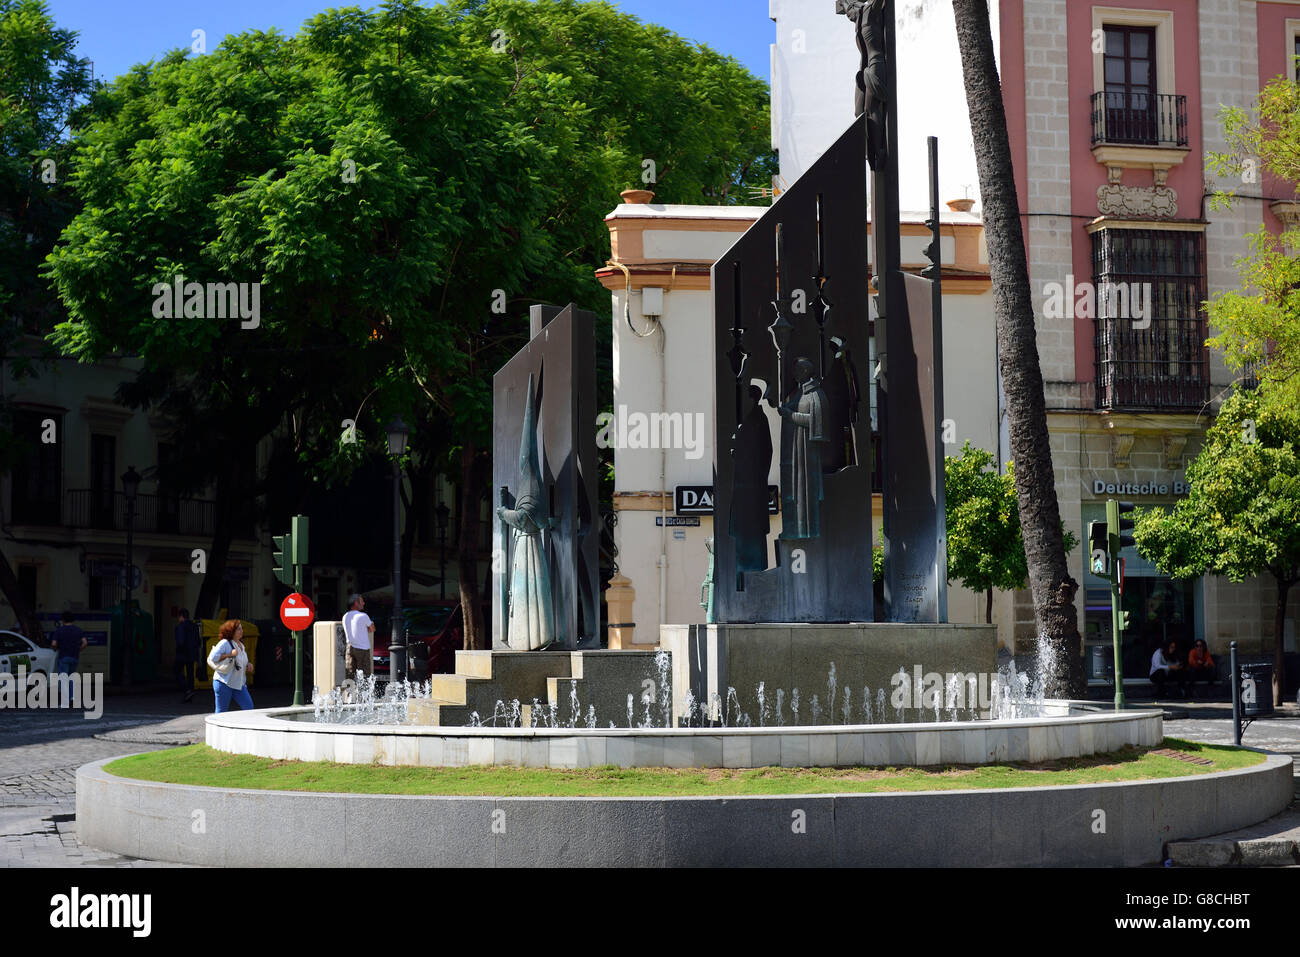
(1174,446)
(1157,202)
(1121,445)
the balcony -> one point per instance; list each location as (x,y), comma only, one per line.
(157,514)
(1139,119)
(1152,358)
(1161,369)
(1139,131)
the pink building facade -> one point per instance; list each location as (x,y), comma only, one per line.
(1112,110)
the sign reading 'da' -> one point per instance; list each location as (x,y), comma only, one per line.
(698,500)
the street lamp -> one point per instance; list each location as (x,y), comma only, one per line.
(130,485)
(443,514)
(398,433)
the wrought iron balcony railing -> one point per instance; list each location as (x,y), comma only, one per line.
(160,514)
(1150,326)
(1139,119)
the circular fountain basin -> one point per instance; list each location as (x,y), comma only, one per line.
(1059,729)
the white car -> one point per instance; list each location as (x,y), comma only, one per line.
(17,652)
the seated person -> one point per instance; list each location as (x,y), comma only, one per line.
(1165,665)
(1200,665)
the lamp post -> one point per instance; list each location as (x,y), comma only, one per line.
(130,485)
(443,514)
(398,433)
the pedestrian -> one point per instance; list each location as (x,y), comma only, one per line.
(187,653)
(359,631)
(68,641)
(230,662)
(1200,664)
(1164,666)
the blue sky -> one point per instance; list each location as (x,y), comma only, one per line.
(116,34)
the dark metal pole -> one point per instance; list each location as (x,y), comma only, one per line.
(397,648)
(128,614)
(298,638)
(442,561)
(1234,677)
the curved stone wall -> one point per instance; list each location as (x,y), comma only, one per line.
(1121,824)
(1073,732)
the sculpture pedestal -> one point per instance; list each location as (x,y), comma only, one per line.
(711,660)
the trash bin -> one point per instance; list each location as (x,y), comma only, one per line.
(1257,690)
(1100,661)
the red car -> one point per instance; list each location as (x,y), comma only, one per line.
(434,631)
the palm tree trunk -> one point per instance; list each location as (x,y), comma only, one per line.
(1050,583)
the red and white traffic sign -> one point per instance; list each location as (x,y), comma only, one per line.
(297,612)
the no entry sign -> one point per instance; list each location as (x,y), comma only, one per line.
(297,612)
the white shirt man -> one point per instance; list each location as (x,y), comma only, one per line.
(358,630)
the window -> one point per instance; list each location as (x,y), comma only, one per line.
(37,477)
(27,584)
(106,588)
(1129,69)
(103,480)
(169,503)
(1150,332)
(13,645)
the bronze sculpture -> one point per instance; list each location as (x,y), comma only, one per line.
(531,623)
(873,95)
(805,414)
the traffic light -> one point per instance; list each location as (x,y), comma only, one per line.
(1097,545)
(299,534)
(1123,620)
(1118,526)
(283,558)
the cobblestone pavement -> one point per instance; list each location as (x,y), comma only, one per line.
(40,752)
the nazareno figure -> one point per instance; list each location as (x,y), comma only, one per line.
(532,616)
(805,413)
(872,96)
(752,460)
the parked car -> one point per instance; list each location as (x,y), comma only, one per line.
(435,631)
(19,652)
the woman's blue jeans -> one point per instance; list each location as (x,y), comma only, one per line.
(225,695)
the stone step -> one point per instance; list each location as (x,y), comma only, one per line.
(1271,843)
(440,713)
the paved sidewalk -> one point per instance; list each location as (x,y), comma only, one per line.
(40,752)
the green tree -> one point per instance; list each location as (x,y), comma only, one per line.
(389,178)
(1242,515)
(42,85)
(1258,328)
(986,549)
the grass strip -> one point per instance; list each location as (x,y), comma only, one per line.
(200,765)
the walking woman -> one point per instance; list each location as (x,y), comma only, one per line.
(230,662)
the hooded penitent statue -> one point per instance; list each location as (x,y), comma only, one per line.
(532,616)
(805,416)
